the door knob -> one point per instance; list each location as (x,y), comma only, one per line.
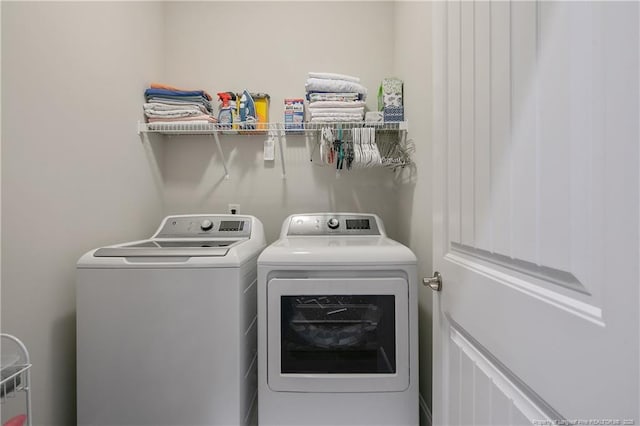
(434,282)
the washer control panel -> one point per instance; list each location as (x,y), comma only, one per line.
(333,224)
(223,226)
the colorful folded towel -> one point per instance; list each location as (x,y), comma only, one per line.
(175,93)
(175,89)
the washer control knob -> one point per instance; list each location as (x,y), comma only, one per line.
(206,225)
(333,223)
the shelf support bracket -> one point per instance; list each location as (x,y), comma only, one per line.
(280,138)
(224,160)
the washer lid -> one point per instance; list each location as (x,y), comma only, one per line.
(173,248)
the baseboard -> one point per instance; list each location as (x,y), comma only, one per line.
(424,408)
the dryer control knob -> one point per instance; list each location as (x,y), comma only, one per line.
(206,225)
(333,223)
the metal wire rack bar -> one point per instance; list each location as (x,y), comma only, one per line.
(13,383)
(18,378)
(182,128)
(390,135)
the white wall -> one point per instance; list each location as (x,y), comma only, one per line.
(412,62)
(271,46)
(74,174)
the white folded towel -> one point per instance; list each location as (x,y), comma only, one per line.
(337,111)
(334,76)
(325,85)
(344,96)
(334,119)
(173,113)
(341,118)
(159,106)
(336,104)
(181,125)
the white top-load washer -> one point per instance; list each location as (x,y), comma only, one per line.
(166,327)
(337,325)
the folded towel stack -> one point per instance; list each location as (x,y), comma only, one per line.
(335,97)
(168,104)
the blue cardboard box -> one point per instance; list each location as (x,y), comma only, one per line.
(393,113)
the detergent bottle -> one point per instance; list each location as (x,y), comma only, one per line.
(225,116)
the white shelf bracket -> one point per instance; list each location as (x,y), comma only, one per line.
(224,160)
(280,138)
(142,127)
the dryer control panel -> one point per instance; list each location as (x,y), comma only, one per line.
(196,226)
(333,224)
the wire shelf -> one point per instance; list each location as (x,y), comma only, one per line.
(184,128)
(393,152)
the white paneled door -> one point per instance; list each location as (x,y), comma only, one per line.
(536,213)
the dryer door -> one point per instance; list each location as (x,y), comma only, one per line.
(338,335)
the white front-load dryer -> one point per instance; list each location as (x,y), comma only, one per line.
(166,327)
(337,325)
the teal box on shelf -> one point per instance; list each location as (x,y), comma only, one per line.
(395,113)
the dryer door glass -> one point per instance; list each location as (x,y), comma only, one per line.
(338,334)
